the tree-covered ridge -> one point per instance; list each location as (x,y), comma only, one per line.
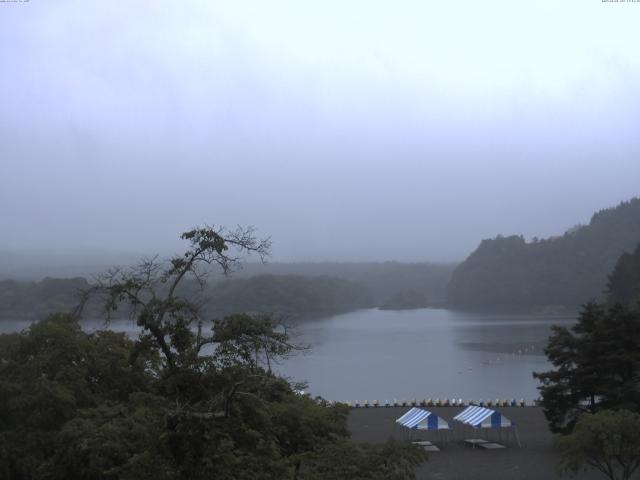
(565,271)
(36,300)
(383,280)
(290,295)
(296,288)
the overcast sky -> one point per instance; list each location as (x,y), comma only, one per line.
(405,130)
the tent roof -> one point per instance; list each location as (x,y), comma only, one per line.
(481,417)
(420,419)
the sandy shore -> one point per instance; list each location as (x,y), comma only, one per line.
(536,460)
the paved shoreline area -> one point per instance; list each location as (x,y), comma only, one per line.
(536,460)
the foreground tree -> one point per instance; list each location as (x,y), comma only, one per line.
(74,405)
(597,366)
(151,291)
(188,399)
(608,441)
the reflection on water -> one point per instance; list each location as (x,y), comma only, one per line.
(427,353)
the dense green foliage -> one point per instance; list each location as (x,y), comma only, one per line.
(510,273)
(608,441)
(624,281)
(597,366)
(101,406)
(74,402)
(592,398)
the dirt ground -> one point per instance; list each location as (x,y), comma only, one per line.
(536,460)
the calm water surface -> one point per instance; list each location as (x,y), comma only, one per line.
(426,353)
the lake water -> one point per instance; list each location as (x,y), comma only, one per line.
(427,353)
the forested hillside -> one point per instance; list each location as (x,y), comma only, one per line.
(36,300)
(624,281)
(289,295)
(293,296)
(294,289)
(385,281)
(340,286)
(564,271)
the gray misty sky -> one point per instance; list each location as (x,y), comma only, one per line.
(353,130)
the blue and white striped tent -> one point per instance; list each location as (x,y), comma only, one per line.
(485,418)
(420,419)
(480,417)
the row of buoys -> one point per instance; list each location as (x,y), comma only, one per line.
(499,359)
(436,403)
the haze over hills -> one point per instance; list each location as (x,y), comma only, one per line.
(565,271)
(504,273)
(383,279)
(295,290)
(35,265)
(363,149)
(36,283)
